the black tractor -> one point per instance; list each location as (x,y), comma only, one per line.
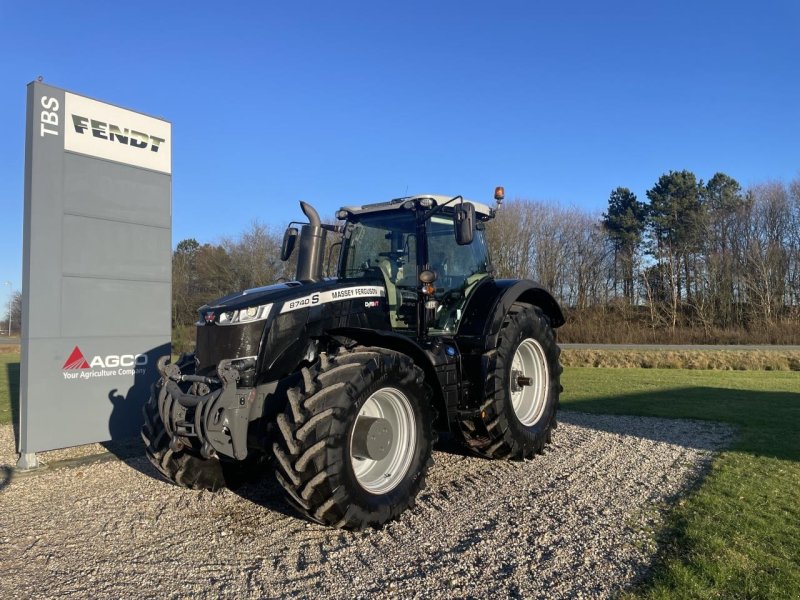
(343,382)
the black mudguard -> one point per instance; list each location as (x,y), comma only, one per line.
(489,304)
(480,327)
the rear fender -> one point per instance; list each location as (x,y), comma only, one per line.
(490,302)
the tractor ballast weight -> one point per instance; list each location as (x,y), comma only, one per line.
(342,382)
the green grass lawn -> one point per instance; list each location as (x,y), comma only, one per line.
(9,386)
(738,536)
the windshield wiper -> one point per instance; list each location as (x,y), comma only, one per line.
(438,208)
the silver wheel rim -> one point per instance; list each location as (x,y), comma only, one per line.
(381,476)
(529,398)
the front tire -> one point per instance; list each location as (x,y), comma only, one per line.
(521,390)
(356,438)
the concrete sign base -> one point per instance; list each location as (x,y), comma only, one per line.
(27,462)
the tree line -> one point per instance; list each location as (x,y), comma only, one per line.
(692,262)
(695,261)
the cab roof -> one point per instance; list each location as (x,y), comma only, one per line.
(481,209)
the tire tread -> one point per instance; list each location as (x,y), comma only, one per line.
(489,432)
(316,421)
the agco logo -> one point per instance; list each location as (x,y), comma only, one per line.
(111,132)
(77,367)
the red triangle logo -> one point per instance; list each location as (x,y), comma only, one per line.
(76,361)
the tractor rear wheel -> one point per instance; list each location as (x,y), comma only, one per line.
(522,386)
(355,439)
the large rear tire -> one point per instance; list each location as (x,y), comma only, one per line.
(521,392)
(356,437)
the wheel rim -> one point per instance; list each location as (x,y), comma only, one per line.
(383,475)
(529,382)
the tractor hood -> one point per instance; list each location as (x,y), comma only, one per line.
(289,296)
(276,292)
(272,322)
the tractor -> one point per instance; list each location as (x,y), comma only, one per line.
(339,385)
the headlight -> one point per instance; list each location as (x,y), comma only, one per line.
(245,315)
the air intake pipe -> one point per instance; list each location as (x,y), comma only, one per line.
(312,246)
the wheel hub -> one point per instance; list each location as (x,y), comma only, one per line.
(518,380)
(372,438)
(383,440)
(529,384)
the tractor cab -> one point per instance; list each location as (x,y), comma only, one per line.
(429,251)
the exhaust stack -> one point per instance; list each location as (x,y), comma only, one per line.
(312,246)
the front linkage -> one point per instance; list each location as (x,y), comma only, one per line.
(207,414)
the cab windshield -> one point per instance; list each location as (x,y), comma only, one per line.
(457,268)
(384,245)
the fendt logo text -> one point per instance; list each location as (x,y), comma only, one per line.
(77,367)
(111,133)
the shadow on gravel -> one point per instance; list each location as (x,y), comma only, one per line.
(127,449)
(267,492)
(449,444)
(264,490)
(6,473)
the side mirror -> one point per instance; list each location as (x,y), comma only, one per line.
(464,223)
(289,241)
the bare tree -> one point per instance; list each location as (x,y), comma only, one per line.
(562,248)
(766,260)
(510,239)
(12,314)
(255,257)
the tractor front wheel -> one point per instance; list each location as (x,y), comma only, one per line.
(355,439)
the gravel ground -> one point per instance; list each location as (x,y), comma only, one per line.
(576,522)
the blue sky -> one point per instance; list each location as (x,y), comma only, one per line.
(341,102)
